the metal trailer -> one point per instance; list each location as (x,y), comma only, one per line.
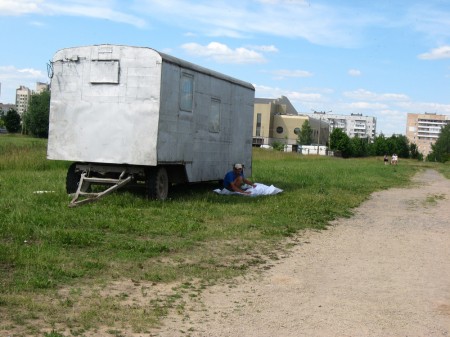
(126,114)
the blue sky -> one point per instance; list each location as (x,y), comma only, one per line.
(379,58)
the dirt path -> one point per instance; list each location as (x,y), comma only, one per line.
(384,272)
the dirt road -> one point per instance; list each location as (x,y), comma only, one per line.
(383,272)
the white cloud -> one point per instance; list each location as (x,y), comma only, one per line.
(362,94)
(98,9)
(283,73)
(316,22)
(19,7)
(354,72)
(303,101)
(223,54)
(266,49)
(11,78)
(436,54)
(421,107)
(12,73)
(367,106)
(431,19)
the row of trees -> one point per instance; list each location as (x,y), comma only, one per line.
(34,122)
(360,147)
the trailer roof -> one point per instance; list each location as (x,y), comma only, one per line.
(185,64)
(189,65)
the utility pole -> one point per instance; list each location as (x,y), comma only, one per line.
(318,135)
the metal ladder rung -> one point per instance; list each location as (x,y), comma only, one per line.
(102,180)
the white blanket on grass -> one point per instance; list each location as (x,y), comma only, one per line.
(259,189)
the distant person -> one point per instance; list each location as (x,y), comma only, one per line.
(386,159)
(394,159)
(235,180)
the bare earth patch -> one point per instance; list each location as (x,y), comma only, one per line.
(383,272)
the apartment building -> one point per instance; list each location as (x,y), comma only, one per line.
(424,129)
(23,95)
(41,86)
(354,125)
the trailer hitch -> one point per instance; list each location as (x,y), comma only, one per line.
(80,197)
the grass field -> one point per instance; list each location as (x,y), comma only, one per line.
(57,263)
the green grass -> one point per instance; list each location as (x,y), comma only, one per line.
(55,260)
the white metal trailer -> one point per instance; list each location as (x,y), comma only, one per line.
(132,113)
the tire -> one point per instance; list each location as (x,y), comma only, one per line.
(157,183)
(73,179)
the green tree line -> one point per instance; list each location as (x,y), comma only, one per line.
(347,147)
(34,122)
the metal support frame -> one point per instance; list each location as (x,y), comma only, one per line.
(91,197)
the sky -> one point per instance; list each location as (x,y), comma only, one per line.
(383,58)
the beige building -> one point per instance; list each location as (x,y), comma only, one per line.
(41,87)
(424,129)
(23,95)
(276,120)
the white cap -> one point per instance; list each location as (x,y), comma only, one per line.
(237,166)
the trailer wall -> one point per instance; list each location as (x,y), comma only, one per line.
(104,105)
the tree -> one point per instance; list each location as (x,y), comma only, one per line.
(414,152)
(305,135)
(37,116)
(359,147)
(278,146)
(2,119)
(379,146)
(399,145)
(12,121)
(440,151)
(341,142)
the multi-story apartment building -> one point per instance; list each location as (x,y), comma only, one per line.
(40,87)
(424,129)
(23,95)
(354,125)
(278,120)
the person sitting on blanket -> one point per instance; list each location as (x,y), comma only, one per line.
(235,180)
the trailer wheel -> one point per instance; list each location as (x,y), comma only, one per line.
(73,179)
(157,183)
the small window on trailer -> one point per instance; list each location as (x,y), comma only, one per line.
(214,116)
(186,91)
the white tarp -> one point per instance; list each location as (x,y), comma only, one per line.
(259,189)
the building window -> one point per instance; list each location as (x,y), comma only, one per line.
(280,129)
(186,92)
(214,116)
(297,131)
(258,125)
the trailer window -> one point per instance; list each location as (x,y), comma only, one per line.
(214,116)
(186,91)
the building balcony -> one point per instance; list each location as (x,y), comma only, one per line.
(431,123)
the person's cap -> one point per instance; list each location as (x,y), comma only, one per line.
(237,166)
